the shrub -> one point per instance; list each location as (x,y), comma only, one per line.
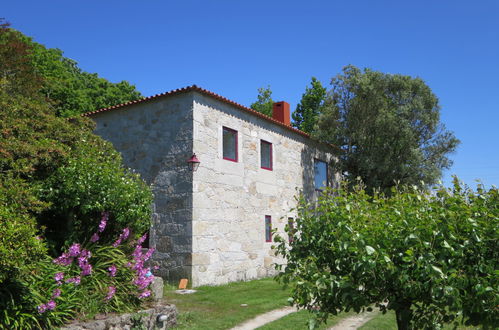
(83,281)
(72,173)
(93,180)
(429,256)
(19,245)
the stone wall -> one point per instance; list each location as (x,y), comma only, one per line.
(208,225)
(155,139)
(231,199)
(147,318)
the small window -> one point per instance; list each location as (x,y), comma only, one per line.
(268,228)
(230,144)
(320,174)
(291,229)
(266,155)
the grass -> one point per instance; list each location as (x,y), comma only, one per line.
(219,307)
(388,322)
(299,321)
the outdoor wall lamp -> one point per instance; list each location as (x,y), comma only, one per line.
(193,163)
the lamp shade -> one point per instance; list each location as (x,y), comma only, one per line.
(193,163)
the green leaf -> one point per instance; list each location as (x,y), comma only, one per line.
(439,271)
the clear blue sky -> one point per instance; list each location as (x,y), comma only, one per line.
(233,47)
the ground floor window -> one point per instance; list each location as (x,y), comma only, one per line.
(268,228)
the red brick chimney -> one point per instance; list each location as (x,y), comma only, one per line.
(280,112)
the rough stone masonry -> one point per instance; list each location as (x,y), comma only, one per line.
(209,225)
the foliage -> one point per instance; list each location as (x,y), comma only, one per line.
(57,177)
(71,90)
(69,174)
(17,75)
(19,247)
(429,256)
(310,107)
(91,181)
(388,127)
(264,103)
(84,281)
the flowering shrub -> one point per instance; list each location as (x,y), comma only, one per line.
(87,279)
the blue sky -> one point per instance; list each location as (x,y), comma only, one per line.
(233,47)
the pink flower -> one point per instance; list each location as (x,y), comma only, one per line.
(41,308)
(94,238)
(59,276)
(56,293)
(76,280)
(63,260)
(126,233)
(142,239)
(51,305)
(74,250)
(86,254)
(103,221)
(148,254)
(86,269)
(112,271)
(110,293)
(144,294)
(123,236)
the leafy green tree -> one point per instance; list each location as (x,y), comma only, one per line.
(388,126)
(41,153)
(310,106)
(70,90)
(429,256)
(264,103)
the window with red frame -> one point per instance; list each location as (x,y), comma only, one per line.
(268,228)
(229,144)
(266,155)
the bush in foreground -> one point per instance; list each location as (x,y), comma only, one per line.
(430,257)
(83,281)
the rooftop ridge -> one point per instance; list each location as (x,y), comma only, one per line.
(202,91)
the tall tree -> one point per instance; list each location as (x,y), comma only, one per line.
(388,126)
(310,106)
(70,90)
(53,169)
(418,253)
(264,101)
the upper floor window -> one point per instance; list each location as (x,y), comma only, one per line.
(266,155)
(229,144)
(320,174)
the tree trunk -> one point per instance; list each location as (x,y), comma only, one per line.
(404,316)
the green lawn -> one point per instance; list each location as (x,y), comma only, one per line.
(299,321)
(219,307)
(388,322)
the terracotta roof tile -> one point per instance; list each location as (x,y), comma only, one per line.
(202,91)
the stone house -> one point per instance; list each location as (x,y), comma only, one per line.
(213,225)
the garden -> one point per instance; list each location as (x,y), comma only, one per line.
(72,218)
